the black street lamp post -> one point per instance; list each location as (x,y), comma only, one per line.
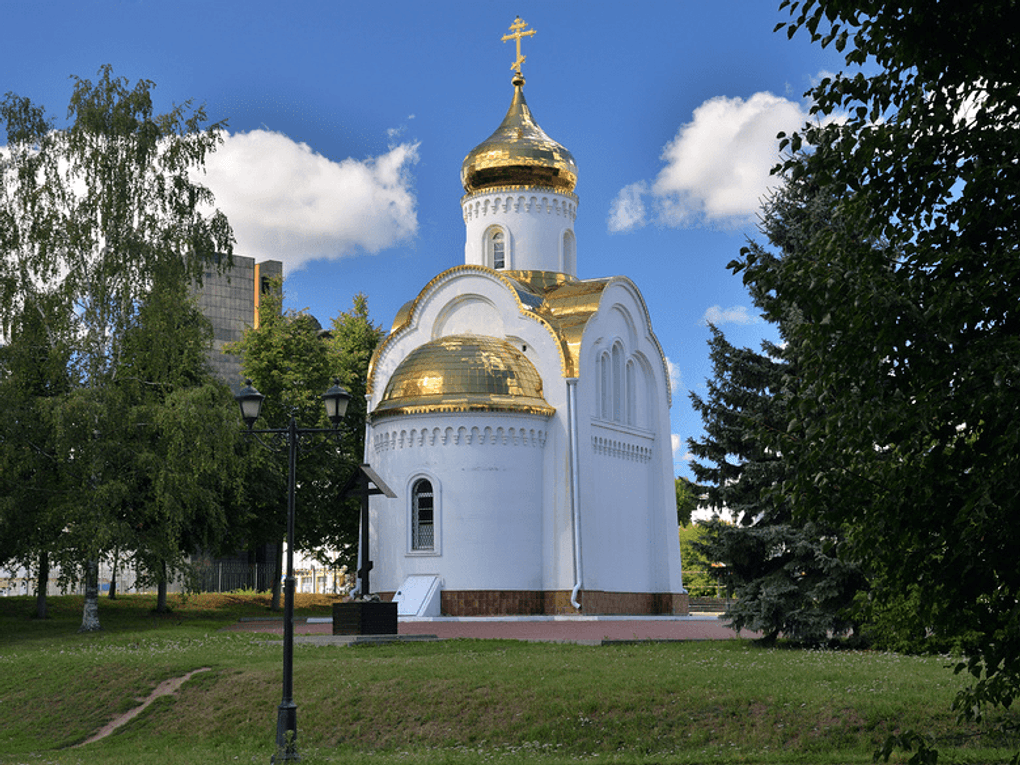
(250,400)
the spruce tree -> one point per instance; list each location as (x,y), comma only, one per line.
(790,572)
(787,576)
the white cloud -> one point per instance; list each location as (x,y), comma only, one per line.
(627,211)
(737,314)
(674,376)
(394,134)
(675,442)
(822,75)
(717,167)
(289,203)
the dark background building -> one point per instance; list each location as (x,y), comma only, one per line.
(230,300)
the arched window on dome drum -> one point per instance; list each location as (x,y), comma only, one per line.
(619,392)
(423,535)
(631,394)
(605,388)
(569,253)
(497,241)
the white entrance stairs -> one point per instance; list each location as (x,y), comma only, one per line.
(418,596)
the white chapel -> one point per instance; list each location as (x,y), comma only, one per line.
(521,414)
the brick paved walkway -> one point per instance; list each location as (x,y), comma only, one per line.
(562,629)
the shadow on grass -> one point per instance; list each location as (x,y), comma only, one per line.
(137,613)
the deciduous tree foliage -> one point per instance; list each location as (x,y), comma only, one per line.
(909,354)
(697,580)
(186,471)
(287,361)
(686,499)
(353,338)
(89,212)
(292,362)
(33,377)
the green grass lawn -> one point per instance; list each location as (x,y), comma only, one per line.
(457,701)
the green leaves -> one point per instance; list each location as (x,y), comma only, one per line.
(902,313)
(292,362)
(94,208)
(910,740)
(101,236)
(686,500)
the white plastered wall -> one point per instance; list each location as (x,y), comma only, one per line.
(506,493)
(535,222)
(628,508)
(488,524)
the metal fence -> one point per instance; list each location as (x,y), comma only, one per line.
(228,576)
(202,576)
(701,584)
(23,582)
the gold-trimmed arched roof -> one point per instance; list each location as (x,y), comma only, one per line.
(562,304)
(402,315)
(528,300)
(464,373)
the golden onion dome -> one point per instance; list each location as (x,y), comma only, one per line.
(464,373)
(519,153)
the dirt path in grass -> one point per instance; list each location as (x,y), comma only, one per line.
(163,689)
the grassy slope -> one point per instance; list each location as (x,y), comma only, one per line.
(455,701)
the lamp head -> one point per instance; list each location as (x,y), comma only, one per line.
(336,400)
(250,401)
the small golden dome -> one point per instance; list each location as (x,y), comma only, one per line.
(464,373)
(519,153)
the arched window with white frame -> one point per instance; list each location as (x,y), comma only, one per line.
(605,387)
(496,248)
(423,516)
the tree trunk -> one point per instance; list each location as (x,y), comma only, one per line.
(113,576)
(42,582)
(161,591)
(277,578)
(90,613)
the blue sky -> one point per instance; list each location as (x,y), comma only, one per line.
(348,123)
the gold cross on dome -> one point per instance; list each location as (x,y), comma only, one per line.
(517,28)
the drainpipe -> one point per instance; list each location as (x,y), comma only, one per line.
(575,501)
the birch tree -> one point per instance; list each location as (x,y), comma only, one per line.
(184,433)
(89,211)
